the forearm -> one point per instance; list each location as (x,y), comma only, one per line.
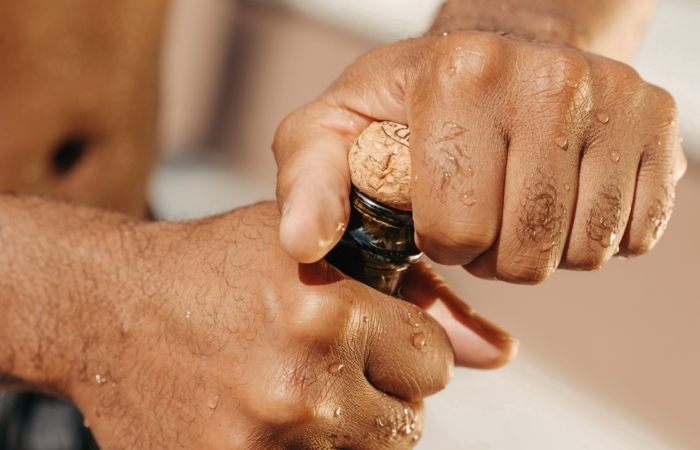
(611,28)
(63,277)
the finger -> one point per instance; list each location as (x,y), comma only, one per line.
(352,414)
(375,420)
(313,182)
(476,342)
(458,151)
(408,353)
(546,132)
(661,165)
(311,148)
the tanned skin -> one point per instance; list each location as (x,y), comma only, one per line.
(206,334)
(571,157)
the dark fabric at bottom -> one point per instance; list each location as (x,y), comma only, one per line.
(38,422)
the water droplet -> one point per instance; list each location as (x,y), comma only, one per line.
(114,385)
(213,402)
(415,438)
(446,33)
(418,340)
(562,142)
(336,413)
(188,314)
(612,238)
(469,198)
(335,368)
(411,321)
(567,187)
(614,156)
(572,83)
(451,70)
(603,117)
(469,172)
(86,424)
(415,178)
(365,319)
(380,422)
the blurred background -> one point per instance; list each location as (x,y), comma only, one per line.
(609,360)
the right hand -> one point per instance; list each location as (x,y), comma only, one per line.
(571,155)
(229,343)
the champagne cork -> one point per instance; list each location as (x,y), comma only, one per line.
(380,164)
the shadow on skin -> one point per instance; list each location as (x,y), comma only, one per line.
(319,273)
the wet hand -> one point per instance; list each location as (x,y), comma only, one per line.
(226,342)
(525,156)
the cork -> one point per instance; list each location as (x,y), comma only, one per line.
(380,164)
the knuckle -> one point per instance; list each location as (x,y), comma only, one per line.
(655,221)
(456,242)
(470,57)
(664,101)
(315,307)
(604,225)
(605,220)
(558,82)
(542,215)
(400,423)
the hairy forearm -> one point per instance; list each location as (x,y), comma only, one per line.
(611,28)
(63,279)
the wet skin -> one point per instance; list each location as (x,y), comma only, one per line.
(208,335)
(204,334)
(528,154)
(199,335)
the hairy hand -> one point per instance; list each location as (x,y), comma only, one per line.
(525,156)
(225,342)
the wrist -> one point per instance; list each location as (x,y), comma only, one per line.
(524,20)
(65,273)
(611,28)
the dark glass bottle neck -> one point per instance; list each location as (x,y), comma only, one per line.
(378,244)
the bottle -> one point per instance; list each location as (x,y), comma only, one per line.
(378,245)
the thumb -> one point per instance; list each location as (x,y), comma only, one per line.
(476,342)
(313,181)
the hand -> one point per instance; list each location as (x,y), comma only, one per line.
(222,341)
(525,156)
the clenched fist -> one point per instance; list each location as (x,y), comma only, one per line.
(205,334)
(526,155)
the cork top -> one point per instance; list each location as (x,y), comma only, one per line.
(380,164)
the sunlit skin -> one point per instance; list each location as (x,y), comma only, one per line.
(207,334)
(81,70)
(566,158)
